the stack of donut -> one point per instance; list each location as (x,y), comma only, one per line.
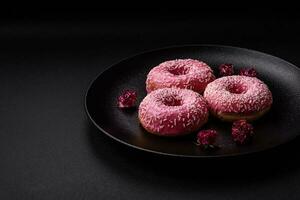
(174,105)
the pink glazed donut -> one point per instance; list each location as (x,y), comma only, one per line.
(181,73)
(232,98)
(173,112)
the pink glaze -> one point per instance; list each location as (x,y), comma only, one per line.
(173,111)
(238,95)
(181,73)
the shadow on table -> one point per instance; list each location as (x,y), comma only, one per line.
(259,167)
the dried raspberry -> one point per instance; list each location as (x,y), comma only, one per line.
(207,138)
(127,99)
(226,70)
(242,131)
(248,72)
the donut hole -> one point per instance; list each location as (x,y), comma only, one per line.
(178,70)
(172,101)
(237,88)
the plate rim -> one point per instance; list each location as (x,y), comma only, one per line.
(173,154)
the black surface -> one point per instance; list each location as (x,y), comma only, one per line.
(48,150)
(123,125)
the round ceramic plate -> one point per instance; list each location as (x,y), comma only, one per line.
(280,125)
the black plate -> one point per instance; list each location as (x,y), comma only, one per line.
(277,127)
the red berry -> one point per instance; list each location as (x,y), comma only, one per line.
(207,137)
(248,72)
(242,131)
(127,99)
(226,70)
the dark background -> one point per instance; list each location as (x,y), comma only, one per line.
(49,150)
